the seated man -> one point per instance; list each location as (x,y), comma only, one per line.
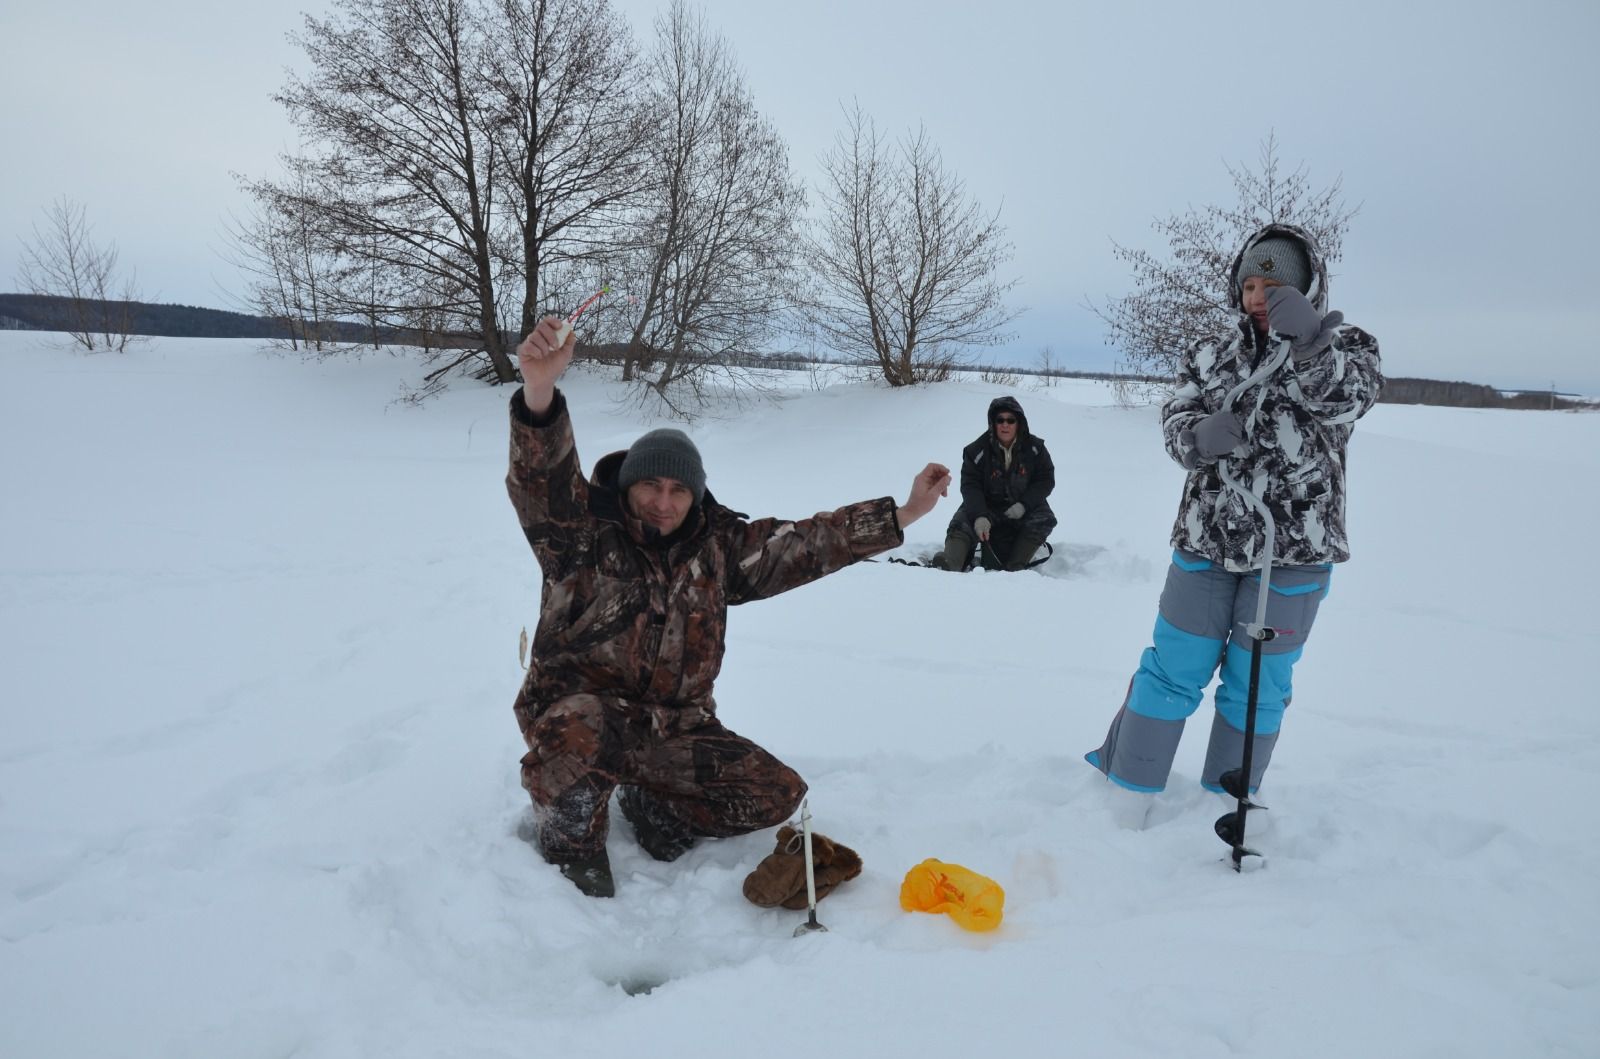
(1006,476)
(640,565)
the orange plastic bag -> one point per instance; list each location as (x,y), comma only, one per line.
(974,901)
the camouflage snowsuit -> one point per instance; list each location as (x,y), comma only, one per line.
(1297,426)
(630,640)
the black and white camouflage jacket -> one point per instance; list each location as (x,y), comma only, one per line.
(1297,425)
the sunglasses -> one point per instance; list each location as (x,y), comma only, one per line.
(1007,420)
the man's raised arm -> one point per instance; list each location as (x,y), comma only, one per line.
(544,480)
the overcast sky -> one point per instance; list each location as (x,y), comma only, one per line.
(1466,132)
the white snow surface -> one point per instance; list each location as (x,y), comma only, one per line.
(258,767)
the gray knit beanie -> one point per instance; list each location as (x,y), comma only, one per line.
(664,453)
(1281,258)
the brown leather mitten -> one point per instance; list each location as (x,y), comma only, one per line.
(780,879)
(833,863)
(776,880)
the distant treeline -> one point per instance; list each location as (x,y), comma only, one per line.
(1471,395)
(37,312)
(34,312)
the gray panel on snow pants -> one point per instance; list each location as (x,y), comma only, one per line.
(1201,626)
(1225,751)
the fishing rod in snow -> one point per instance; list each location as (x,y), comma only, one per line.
(1230,827)
(811,923)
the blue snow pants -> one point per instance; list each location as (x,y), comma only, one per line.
(1200,626)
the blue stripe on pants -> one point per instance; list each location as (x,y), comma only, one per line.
(1273,694)
(1173,673)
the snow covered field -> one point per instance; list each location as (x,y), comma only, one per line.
(258,768)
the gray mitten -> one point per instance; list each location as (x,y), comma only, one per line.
(1016,511)
(1217,435)
(1292,315)
(1191,455)
(980,525)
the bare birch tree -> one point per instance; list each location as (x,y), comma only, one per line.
(459,154)
(292,263)
(903,262)
(402,172)
(717,228)
(567,95)
(62,260)
(1181,295)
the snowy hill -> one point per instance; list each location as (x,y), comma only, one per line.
(258,771)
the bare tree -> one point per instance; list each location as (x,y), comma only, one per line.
(567,96)
(1181,296)
(460,153)
(402,176)
(292,263)
(903,263)
(62,260)
(1049,365)
(717,226)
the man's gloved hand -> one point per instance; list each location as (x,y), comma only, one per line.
(1016,511)
(1292,315)
(980,525)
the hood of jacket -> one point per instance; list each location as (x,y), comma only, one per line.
(1318,294)
(1009,404)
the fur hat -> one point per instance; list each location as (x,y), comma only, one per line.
(664,453)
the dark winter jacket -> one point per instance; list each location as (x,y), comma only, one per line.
(1297,426)
(989,487)
(622,616)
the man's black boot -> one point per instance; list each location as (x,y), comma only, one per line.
(957,551)
(592,876)
(660,836)
(1028,543)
